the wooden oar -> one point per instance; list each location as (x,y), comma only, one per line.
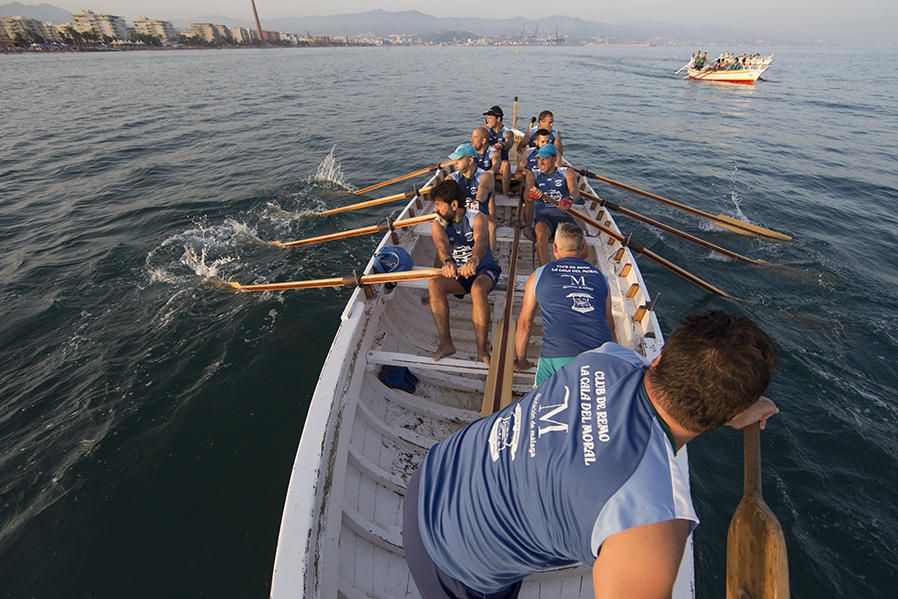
(722,220)
(373,279)
(514,112)
(645,252)
(386,225)
(757,562)
(378,201)
(404,177)
(665,227)
(497,390)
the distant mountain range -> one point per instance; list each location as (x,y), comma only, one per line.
(41,12)
(413,22)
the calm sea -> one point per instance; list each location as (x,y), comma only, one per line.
(149,420)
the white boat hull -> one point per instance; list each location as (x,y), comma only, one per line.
(340,531)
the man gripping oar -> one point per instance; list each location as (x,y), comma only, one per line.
(583,470)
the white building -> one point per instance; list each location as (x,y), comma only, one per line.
(162,30)
(26,29)
(242,35)
(87,21)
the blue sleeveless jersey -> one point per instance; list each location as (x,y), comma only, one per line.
(532,165)
(554,186)
(495,137)
(471,186)
(485,161)
(461,241)
(544,482)
(532,143)
(571,295)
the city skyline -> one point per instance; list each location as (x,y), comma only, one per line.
(872,21)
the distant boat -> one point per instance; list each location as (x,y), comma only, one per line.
(751,73)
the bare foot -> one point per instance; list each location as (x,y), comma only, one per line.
(484,357)
(445,349)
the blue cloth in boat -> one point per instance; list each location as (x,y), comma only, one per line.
(392,258)
(398,377)
(572,295)
(544,482)
(471,186)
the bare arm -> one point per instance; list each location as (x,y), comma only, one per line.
(572,186)
(560,147)
(525,324)
(609,318)
(444,252)
(529,182)
(486,188)
(625,558)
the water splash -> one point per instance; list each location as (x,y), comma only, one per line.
(331,172)
(197,262)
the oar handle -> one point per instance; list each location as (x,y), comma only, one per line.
(751,441)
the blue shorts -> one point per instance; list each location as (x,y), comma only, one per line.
(432,582)
(551,217)
(491,270)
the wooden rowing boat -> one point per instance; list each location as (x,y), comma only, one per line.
(340,530)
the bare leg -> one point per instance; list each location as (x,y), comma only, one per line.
(439,289)
(505,174)
(480,315)
(542,243)
(491,224)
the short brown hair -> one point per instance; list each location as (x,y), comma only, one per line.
(713,366)
(446,191)
(546,113)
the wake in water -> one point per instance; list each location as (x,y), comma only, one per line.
(330,172)
(735,198)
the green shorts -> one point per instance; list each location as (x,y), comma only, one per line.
(547,366)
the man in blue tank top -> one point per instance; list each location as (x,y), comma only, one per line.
(574,301)
(461,238)
(501,139)
(584,468)
(557,183)
(546,121)
(478,184)
(527,160)
(487,157)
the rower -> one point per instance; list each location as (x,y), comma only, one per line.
(558,183)
(501,138)
(527,160)
(478,184)
(583,469)
(461,238)
(480,140)
(546,121)
(574,302)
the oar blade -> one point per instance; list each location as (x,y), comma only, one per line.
(757,561)
(748,229)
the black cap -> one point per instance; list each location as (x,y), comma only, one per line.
(494,111)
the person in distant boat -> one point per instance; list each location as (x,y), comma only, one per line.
(585,469)
(501,138)
(549,181)
(461,238)
(487,156)
(478,184)
(575,304)
(546,121)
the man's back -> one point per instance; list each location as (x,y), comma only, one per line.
(543,483)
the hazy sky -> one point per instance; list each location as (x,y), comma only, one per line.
(878,17)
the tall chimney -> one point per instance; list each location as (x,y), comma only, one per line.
(258,23)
